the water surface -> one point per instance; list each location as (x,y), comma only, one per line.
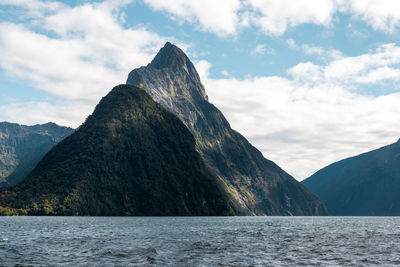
(199,241)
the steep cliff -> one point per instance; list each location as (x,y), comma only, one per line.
(22,147)
(257,185)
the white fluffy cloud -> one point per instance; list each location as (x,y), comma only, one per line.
(220,17)
(226,17)
(316,117)
(68,113)
(325,54)
(274,17)
(262,49)
(84,53)
(378,65)
(34,8)
(380,14)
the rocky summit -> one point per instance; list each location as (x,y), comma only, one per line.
(130,157)
(364,185)
(22,147)
(257,185)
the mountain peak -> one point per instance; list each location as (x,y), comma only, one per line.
(255,184)
(170,56)
(173,74)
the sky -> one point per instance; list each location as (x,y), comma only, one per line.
(307,82)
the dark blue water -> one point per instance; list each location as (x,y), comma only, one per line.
(199,241)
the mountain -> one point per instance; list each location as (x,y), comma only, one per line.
(22,147)
(367,184)
(257,185)
(130,157)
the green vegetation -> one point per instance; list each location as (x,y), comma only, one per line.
(130,157)
(22,147)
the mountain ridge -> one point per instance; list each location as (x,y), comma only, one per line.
(124,160)
(22,147)
(258,185)
(366,184)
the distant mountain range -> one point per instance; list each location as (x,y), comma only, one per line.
(130,157)
(22,147)
(257,185)
(367,184)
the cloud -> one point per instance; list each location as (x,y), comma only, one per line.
(383,15)
(203,68)
(322,53)
(68,113)
(317,115)
(356,33)
(220,17)
(306,72)
(380,64)
(274,17)
(74,53)
(34,8)
(292,44)
(227,17)
(262,49)
(225,73)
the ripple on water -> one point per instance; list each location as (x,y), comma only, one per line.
(199,241)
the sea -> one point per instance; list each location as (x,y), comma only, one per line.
(199,241)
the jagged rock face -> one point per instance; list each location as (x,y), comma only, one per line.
(257,185)
(21,148)
(364,185)
(130,157)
